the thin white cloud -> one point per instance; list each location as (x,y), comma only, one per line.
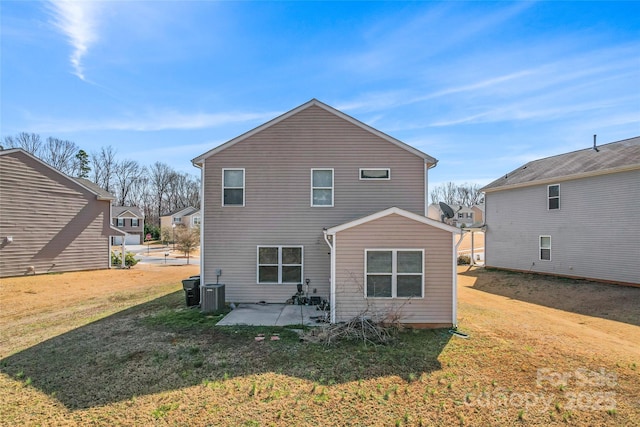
(78,21)
(151,121)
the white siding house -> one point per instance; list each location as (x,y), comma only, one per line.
(574,215)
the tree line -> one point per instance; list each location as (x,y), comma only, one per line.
(457,194)
(156,189)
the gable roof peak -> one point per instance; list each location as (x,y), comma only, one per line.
(198,161)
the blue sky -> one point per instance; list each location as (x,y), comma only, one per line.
(481,86)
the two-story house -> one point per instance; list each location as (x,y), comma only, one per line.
(186,217)
(50,222)
(129,219)
(318,198)
(577,215)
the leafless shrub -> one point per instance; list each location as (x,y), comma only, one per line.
(370,329)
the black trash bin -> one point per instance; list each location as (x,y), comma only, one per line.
(191,288)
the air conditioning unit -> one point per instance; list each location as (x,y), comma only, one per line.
(212,298)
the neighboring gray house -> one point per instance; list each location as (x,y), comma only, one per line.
(316,195)
(50,222)
(129,219)
(574,214)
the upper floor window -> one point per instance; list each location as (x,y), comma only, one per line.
(545,248)
(280,264)
(377,174)
(394,273)
(177,219)
(135,222)
(195,220)
(120,222)
(232,187)
(553,192)
(322,187)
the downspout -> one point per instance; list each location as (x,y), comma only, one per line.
(332,295)
(202,226)
(454,317)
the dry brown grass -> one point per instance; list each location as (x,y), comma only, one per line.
(115,348)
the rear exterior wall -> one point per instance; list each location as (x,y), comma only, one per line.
(278,162)
(395,232)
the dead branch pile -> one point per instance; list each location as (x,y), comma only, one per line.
(360,328)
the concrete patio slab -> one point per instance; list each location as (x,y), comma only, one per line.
(271,315)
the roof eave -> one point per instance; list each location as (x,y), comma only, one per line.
(550,180)
(389,211)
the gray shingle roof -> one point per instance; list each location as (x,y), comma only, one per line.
(612,157)
(94,187)
(117,210)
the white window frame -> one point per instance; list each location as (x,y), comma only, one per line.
(118,223)
(195,220)
(394,272)
(540,248)
(243,188)
(374,179)
(332,188)
(177,220)
(553,197)
(279,265)
(135,219)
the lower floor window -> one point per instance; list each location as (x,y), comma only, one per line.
(545,248)
(394,273)
(280,264)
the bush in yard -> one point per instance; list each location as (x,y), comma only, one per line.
(464,260)
(129,259)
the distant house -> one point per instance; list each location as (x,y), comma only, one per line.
(574,214)
(129,219)
(50,222)
(186,217)
(463,215)
(316,198)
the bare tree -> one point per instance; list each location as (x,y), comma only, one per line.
(29,142)
(126,175)
(187,239)
(61,154)
(457,195)
(104,164)
(160,176)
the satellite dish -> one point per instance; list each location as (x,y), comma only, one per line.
(446,210)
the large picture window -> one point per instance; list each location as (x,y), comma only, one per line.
(232,187)
(394,273)
(545,248)
(322,187)
(553,192)
(280,264)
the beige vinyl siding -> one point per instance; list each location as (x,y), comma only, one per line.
(593,234)
(395,232)
(277,211)
(56,225)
